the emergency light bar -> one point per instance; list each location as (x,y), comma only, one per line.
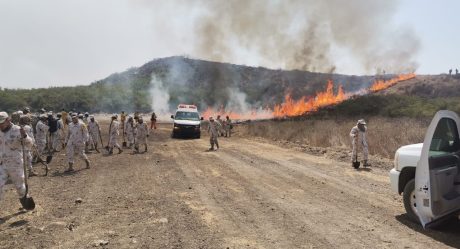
(187,106)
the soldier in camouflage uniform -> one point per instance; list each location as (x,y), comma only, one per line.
(13,142)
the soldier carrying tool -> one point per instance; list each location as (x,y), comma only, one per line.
(358,137)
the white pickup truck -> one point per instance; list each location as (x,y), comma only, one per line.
(428,174)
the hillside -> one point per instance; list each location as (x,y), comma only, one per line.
(419,97)
(179,79)
(429,86)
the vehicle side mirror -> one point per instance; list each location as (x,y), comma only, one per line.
(172,116)
(201,118)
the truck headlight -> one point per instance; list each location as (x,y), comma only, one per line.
(396,161)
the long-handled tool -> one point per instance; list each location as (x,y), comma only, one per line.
(40,160)
(100,136)
(124,141)
(108,141)
(27,202)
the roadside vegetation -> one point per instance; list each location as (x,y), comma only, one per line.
(392,120)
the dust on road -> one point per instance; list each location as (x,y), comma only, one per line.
(248,194)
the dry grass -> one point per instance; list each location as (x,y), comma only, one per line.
(385,135)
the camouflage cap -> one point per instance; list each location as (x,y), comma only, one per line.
(361,121)
(3,117)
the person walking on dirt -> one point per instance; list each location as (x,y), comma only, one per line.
(213,130)
(41,133)
(75,142)
(129,132)
(53,132)
(153,121)
(358,137)
(142,133)
(94,130)
(24,122)
(228,127)
(13,143)
(114,132)
(60,133)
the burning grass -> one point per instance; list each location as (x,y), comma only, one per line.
(293,108)
(385,135)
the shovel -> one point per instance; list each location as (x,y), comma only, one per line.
(124,145)
(356,163)
(100,137)
(40,160)
(27,202)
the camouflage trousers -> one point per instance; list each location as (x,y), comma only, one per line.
(13,169)
(75,149)
(213,140)
(355,145)
(113,142)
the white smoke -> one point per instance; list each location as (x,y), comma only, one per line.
(160,98)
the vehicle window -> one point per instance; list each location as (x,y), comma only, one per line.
(187,116)
(445,138)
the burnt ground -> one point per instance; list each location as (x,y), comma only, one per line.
(249,194)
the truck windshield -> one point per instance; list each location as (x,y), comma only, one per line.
(187,116)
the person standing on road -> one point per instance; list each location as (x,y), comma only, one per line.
(114,132)
(13,143)
(142,133)
(129,132)
(153,121)
(228,127)
(213,130)
(358,137)
(94,131)
(221,126)
(75,142)
(40,136)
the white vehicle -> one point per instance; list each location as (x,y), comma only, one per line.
(428,174)
(186,122)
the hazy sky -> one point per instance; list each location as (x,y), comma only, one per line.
(61,43)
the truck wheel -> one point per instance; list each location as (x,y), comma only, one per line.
(409,200)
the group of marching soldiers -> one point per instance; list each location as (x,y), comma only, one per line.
(26,138)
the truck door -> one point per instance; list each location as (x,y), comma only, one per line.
(437,174)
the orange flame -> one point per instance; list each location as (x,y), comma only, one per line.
(291,108)
(384,84)
(304,105)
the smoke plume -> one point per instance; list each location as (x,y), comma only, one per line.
(300,34)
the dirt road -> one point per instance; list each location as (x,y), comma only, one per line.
(248,194)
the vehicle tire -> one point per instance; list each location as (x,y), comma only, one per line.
(409,200)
